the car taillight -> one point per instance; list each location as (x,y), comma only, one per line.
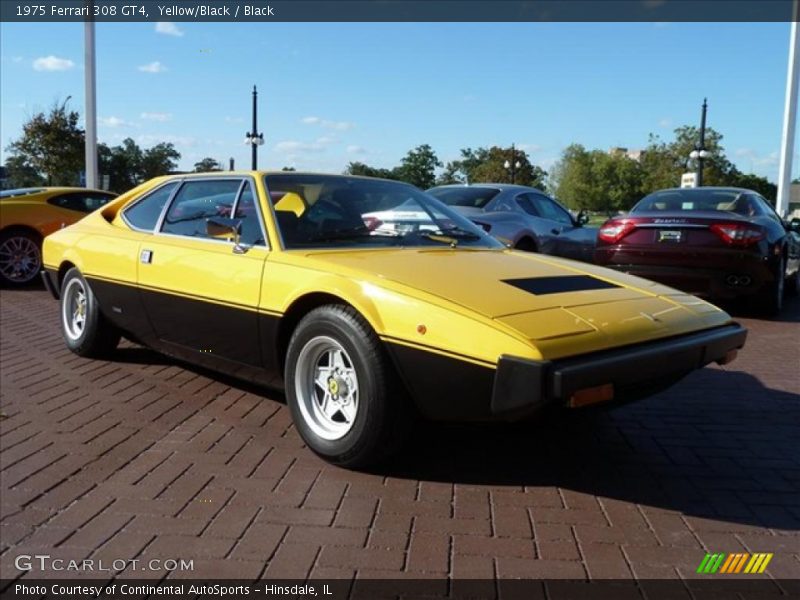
(738,234)
(613,231)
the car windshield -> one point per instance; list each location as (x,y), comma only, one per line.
(475,197)
(692,200)
(329,211)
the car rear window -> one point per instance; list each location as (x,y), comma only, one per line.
(693,200)
(466,196)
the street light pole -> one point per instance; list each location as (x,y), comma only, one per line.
(90,83)
(513,164)
(701,148)
(254,138)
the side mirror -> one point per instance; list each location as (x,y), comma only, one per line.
(229,229)
(583,217)
(794,225)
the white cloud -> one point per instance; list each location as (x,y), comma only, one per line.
(180,141)
(153,67)
(234,120)
(156,116)
(52,63)
(295,146)
(112,121)
(664,123)
(335,125)
(529,148)
(353,149)
(168,28)
(326,140)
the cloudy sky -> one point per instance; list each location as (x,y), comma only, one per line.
(334,93)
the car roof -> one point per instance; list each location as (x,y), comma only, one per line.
(261,172)
(33,191)
(706,188)
(503,187)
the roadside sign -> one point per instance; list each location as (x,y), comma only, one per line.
(689,180)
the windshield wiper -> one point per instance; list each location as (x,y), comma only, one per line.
(351,234)
(449,235)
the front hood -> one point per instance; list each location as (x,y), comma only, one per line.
(495,283)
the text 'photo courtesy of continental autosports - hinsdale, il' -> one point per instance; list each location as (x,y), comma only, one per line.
(370,303)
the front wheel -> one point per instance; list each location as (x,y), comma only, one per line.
(86,331)
(341,389)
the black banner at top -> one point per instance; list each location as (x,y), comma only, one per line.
(33,11)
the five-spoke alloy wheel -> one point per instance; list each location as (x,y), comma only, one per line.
(343,394)
(86,331)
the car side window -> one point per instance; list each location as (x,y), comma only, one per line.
(198,201)
(766,209)
(84,202)
(550,210)
(526,204)
(145,212)
(247,212)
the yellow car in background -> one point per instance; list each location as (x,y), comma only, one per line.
(28,215)
(291,280)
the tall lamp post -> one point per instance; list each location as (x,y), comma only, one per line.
(513,164)
(700,154)
(254,138)
(90,85)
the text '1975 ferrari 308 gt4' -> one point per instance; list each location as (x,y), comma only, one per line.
(280,278)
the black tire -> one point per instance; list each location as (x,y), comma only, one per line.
(793,284)
(526,245)
(770,299)
(368,420)
(94,337)
(20,257)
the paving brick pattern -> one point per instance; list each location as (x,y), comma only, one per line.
(144,458)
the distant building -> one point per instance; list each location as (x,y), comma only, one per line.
(632,154)
(794,201)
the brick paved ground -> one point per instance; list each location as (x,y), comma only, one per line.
(144,458)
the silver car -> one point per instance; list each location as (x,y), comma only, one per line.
(522,217)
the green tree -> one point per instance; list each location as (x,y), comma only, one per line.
(122,164)
(596,180)
(52,145)
(288,169)
(160,159)
(492,169)
(207,165)
(756,183)
(418,167)
(21,174)
(364,170)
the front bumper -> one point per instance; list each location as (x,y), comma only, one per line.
(522,386)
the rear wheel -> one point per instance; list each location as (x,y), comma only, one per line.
(793,284)
(20,257)
(86,331)
(770,300)
(526,245)
(341,389)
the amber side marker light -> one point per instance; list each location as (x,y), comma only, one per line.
(592,395)
(730,356)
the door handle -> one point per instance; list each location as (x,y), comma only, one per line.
(146,257)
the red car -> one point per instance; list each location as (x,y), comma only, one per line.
(710,241)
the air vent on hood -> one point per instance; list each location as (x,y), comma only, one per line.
(558,285)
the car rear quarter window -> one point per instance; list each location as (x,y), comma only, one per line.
(198,201)
(145,212)
(84,202)
(466,196)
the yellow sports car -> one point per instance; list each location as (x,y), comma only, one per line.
(28,215)
(281,279)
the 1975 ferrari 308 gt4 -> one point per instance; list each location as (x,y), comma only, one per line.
(280,279)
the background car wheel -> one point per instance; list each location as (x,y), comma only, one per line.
(345,399)
(20,257)
(526,245)
(770,300)
(793,284)
(86,331)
